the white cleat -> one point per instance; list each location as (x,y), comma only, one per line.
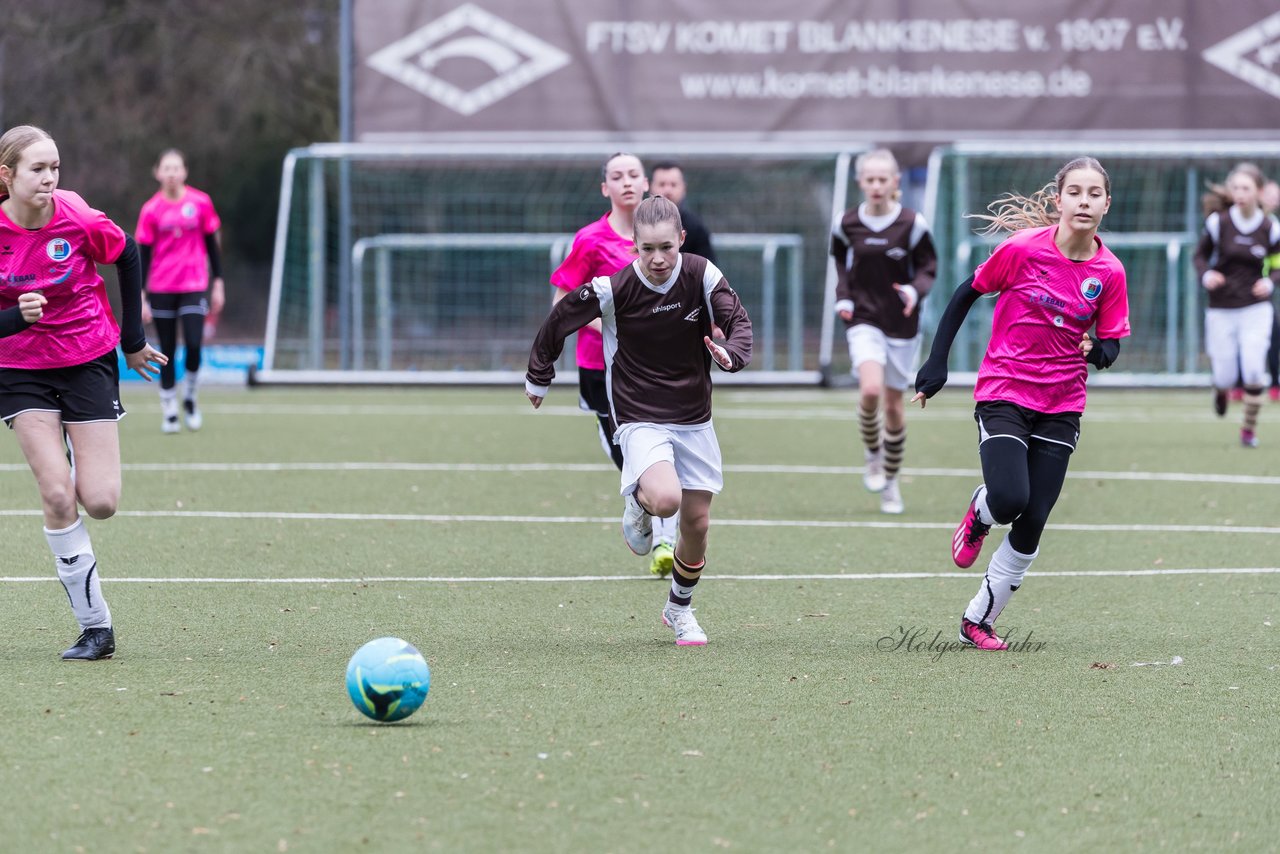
(891,498)
(873,477)
(637,527)
(170,424)
(191,415)
(688,632)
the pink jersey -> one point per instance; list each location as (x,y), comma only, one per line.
(1047,303)
(60,260)
(597,250)
(175,231)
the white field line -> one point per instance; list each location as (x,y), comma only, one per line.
(613,520)
(1141,415)
(508,468)
(577,579)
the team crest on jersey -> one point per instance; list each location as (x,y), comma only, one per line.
(897,253)
(1091,288)
(57,249)
(188,210)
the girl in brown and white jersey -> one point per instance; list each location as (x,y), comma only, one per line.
(1230,259)
(657,316)
(885,266)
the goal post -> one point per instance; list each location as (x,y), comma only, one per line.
(430,263)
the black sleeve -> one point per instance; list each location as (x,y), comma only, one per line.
(129,272)
(215,254)
(11,322)
(932,375)
(1104,352)
(144,252)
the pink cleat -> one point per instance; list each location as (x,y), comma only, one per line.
(966,545)
(980,635)
(1248,439)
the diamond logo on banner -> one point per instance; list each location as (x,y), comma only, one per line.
(516,58)
(1253,55)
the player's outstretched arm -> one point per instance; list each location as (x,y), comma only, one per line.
(568,315)
(729,316)
(932,375)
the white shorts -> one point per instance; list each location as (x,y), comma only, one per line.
(898,355)
(693,450)
(1237,340)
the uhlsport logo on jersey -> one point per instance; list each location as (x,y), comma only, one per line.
(1251,55)
(58,249)
(1091,288)
(515,59)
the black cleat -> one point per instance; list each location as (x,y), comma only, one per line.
(1219,403)
(92,645)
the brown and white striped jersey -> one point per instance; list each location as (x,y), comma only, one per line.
(657,368)
(1237,249)
(872,254)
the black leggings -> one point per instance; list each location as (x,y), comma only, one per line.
(1023,483)
(192,335)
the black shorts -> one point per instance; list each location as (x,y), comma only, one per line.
(80,394)
(593,394)
(172,306)
(998,418)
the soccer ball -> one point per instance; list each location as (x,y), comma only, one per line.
(388,679)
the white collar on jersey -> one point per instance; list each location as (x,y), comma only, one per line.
(1246,226)
(881,222)
(665,286)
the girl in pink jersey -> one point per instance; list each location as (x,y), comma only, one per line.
(601,249)
(658,316)
(178,236)
(1055,282)
(59,380)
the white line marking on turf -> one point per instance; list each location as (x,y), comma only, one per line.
(574,579)
(613,520)
(841,471)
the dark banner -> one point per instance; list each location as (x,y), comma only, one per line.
(761,68)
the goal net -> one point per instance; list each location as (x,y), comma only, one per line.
(431,263)
(1153,226)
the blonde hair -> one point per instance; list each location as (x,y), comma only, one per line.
(655,210)
(879,154)
(1014,212)
(1219,198)
(17,140)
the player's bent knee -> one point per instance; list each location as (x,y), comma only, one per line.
(1005,506)
(100,506)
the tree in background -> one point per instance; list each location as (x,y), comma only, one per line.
(235,84)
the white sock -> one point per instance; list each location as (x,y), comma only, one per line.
(169,402)
(982,510)
(1004,576)
(191,382)
(664,529)
(78,571)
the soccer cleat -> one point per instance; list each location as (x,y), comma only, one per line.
(1237,394)
(664,560)
(891,497)
(688,632)
(637,527)
(1219,403)
(1248,439)
(170,424)
(980,635)
(191,414)
(873,477)
(92,645)
(966,544)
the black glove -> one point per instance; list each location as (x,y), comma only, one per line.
(931,377)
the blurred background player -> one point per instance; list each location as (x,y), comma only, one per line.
(178,236)
(885,266)
(59,375)
(658,314)
(1055,281)
(601,249)
(669,182)
(1229,259)
(1269,198)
